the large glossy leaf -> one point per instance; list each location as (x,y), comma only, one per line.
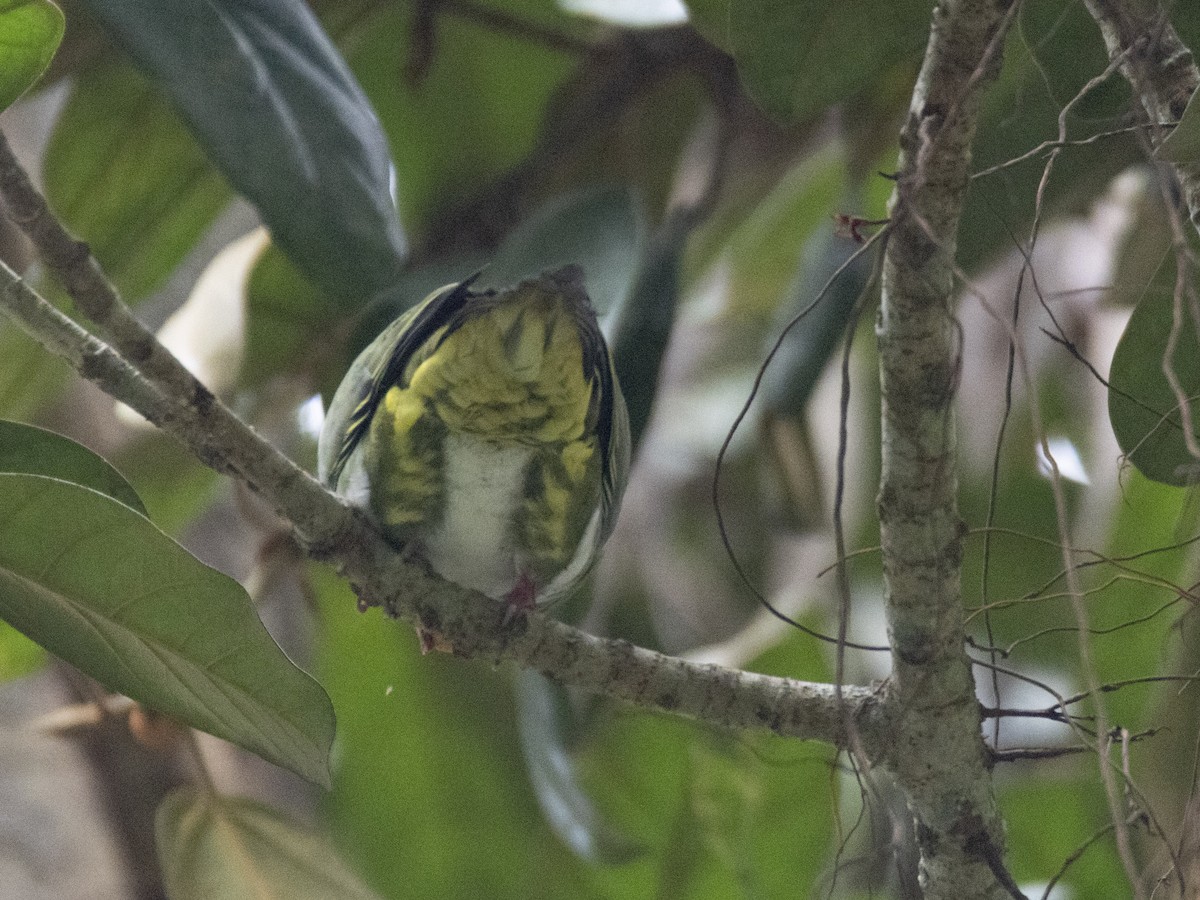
(36,451)
(1144,409)
(128,178)
(796,58)
(99,585)
(214,846)
(275,106)
(30,31)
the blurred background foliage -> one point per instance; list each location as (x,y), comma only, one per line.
(705,161)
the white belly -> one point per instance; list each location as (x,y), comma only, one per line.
(473,543)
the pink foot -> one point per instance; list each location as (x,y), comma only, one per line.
(431,640)
(428,640)
(521,599)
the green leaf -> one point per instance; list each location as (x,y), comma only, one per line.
(1138,265)
(228,847)
(1144,410)
(277,109)
(36,451)
(1183,144)
(128,178)
(598,228)
(797,58)
(18,654)
(99,585)
(30,32)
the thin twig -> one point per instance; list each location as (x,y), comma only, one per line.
(1060,144)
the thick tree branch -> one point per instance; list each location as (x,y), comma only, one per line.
(939,758)
(138,371)
(1160,68)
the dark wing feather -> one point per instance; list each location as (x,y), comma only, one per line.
(405,336)
(612,430)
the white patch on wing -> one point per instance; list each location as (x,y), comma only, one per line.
(473,543)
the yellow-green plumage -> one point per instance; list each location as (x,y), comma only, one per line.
(489,429)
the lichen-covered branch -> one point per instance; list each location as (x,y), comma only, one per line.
(939,758)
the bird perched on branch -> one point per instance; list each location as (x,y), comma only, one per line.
(488,431)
